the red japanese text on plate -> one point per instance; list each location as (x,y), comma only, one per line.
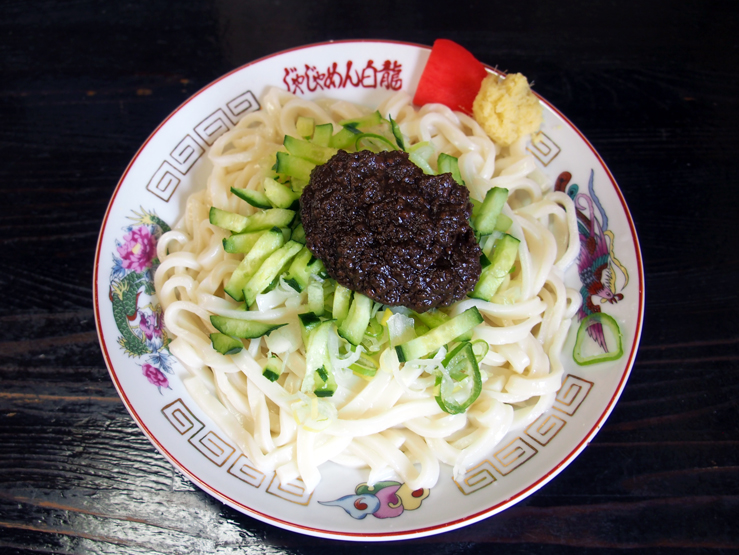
(311,79)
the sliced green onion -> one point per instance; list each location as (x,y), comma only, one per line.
(365,367)
(591,320)
(456,388)
(373,142)
(480,347)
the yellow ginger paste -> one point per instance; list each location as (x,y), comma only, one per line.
(506,108)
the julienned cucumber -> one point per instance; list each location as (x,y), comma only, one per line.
(273,369)
(495,199)
(501,262)
(445,333)
(342,302)
(279,195)
(256,198)
(241,242)
(225,344)
(322,134)
(293,166)
(352,327)
(268,243)
(344,139)
(245,329)
(298,234)
(319,378)
(269,270)
(308,150)
(303,266)
(449,164)
(375,118)
(304,126)
(266,219)
(308,322)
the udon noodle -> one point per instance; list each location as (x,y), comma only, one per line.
(390,423)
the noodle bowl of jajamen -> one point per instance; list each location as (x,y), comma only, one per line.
(279,418)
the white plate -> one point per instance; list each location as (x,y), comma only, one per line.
(172,163)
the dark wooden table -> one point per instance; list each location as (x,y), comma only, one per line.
(654,85)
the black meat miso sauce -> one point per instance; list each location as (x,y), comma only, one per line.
(384,228)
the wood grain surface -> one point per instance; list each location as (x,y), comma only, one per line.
(654,85)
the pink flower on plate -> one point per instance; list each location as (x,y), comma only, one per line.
(155,376)
(151,324)
(138,249)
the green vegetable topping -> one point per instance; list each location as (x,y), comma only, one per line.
(459,384)
(599,319)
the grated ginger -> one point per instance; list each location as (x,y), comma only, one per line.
(506,108)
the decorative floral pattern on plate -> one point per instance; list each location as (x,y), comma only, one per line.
(383,500)
(141,327)
(598,267)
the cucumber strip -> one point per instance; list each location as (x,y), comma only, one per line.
(344,138)
(266,219)
(318,373)
(241,242)
(297,274)
(322,134)
(395,128)
(225,344)
(342,302)
(461,370)
(316,297)
(485,220)
(352,328)
(269,270)
(255,198)
(245,329)
(432,318)
(297,185)
(308,150)
(449,164)
(303,266)
(503,223)
(268,243)
(298,234)
(273,369)
(305,126)
(308,322)
(476,204)
(294,166)
(432,340)
(279,195)
(371,120)
(325,383)
(501,262)
(227,220)
(286,232)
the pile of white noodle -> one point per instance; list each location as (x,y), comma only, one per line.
(390,423)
